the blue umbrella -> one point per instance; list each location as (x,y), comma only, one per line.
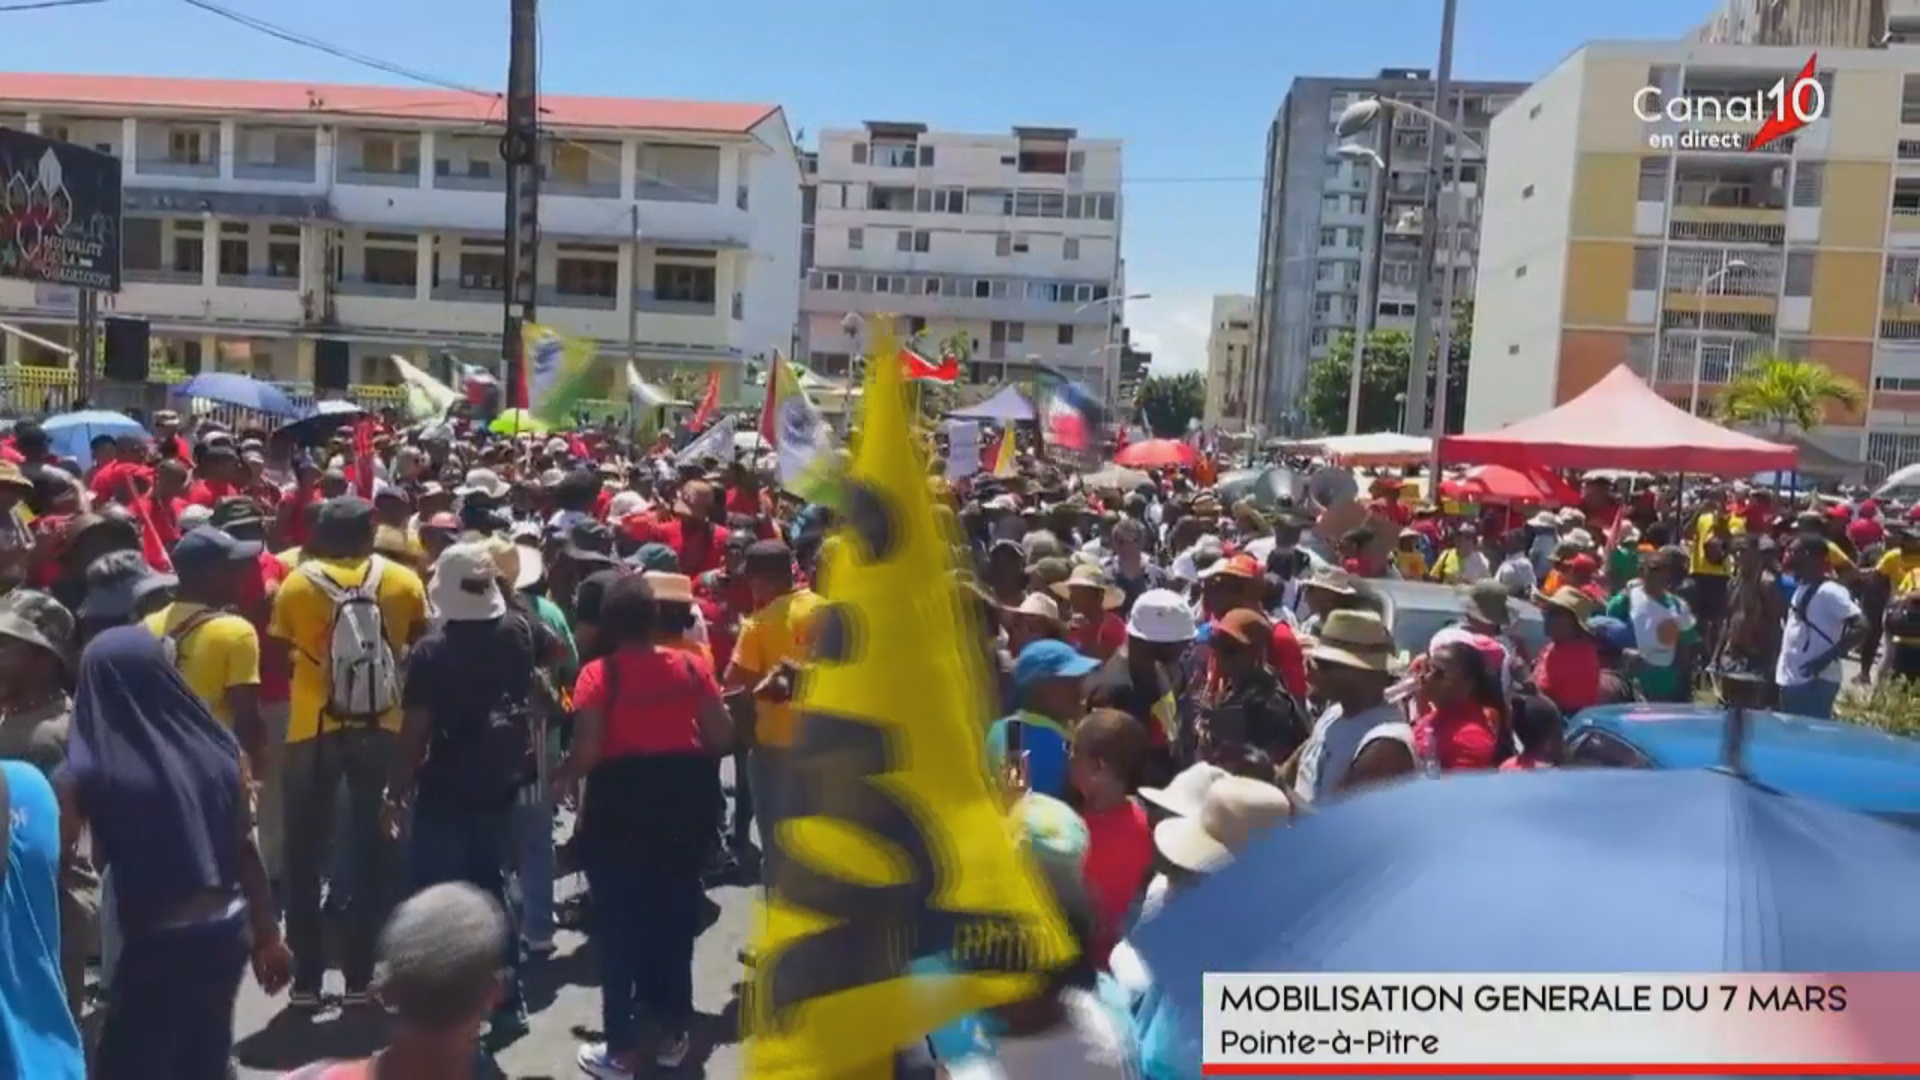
(70,435)
(1577,870)
(320,421)
(241,391)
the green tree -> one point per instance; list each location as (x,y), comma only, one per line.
(1383,379)
(1171,402)
(1785,394)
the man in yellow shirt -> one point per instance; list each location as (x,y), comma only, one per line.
(773,644)
(1712,548)
(217,653)
(324,750)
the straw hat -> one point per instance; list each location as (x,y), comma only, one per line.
(1573,602)
(1334,579)
(1355,639)
(1084,576)
(1040,606)
(1235,810)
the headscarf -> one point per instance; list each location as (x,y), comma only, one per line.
(158,776)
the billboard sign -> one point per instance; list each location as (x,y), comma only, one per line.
(59,213)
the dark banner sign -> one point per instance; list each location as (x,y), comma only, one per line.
(59,213)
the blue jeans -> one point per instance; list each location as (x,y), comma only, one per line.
(475,847)
(533,838)
(766,771)
(1813,699)
(646,917)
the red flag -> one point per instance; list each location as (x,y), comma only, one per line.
(363,457)
(916,366)
(709,401)
(769,421)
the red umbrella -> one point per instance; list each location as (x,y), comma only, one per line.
(1499,485)
(1157,454)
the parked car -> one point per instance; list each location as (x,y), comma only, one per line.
(1848,765)
(1417,610)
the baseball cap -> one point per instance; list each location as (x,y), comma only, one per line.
(1246,626)
(1240,566)
(1048,659)
(206,547)
(655,558)
(235,511)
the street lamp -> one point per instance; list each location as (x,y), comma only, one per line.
(1727,266)
(1107,389)
(1369,255)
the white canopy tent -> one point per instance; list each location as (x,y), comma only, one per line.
(1379,448)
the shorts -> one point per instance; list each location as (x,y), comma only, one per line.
(1709,596)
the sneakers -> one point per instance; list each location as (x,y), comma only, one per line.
(596,1061)
(673,1050)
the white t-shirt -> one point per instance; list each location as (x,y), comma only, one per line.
(1657,627)
(1816,617)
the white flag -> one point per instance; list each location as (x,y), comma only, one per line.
(715,442)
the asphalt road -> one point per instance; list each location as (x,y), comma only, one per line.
(563,999)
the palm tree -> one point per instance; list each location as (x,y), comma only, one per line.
(1784,393)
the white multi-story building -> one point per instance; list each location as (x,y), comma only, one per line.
(1229,347)
(1012,240)
(265,221)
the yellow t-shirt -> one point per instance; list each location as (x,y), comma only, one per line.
(1896,566)
(1411,564)
(221,653)
(780,631)
(1702,531)
(303,617)
(290,558)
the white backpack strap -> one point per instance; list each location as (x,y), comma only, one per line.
(312,572)
(370,585)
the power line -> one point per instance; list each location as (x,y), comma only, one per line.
(294,37)
(42,5)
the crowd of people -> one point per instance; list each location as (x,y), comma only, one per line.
(357,689)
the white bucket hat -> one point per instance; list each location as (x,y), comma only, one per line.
(1236,809)
(466,584)
(1161,616)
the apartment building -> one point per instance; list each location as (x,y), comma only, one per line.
(263,218)
(1845,24)
(1229,347)
(1010,239)
(1315,234)
(1604,246)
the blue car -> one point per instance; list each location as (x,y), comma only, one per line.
(1856,767)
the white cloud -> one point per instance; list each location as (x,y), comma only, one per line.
(1174,327)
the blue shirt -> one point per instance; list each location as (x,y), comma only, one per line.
(1046,745)
(37,1034)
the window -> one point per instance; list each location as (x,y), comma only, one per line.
(571,164)
(738,308)
(893,154)
(384,154)
(684,284)
(586,277)
(390,266)
(1016,332)
(913,240)
(283,251)
(233,256)
(856,239)
(1520,271)
(897,199)
(926,157)
(189,254)
(1533,113)
(1003,245)
(1070,248)
(1065,334)
(1513,350)
(940,200)
(1527,192)
(1329,237)
(482,270)
(1594,747)
(187,147)
(859,153)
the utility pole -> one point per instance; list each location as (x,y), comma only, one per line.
(86,353)
(1430,223)
(633,287)
(520,150)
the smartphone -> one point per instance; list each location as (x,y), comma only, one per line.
(1014,748)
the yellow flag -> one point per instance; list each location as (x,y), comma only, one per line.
(898,848)
(1003,464)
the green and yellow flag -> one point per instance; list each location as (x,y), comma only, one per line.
(898,848)
(562,372)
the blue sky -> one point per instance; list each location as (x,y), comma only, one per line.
(1190,86)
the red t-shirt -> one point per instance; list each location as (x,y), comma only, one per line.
(118,481)
(725,603)
(164,514)
(1288,659)
(208,492)
(1119,854)
(1568,674)
(658,695)
(1100,639)
(1458,737)
(698,552)
(1396,511)
(276,672)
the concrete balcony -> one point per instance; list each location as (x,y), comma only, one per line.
(582,190)
(363,178)
(163,276)
(207,170)
(291,173)
(361,287)
(471,183)
(647,190)
(1732,215)
(553,297)
(458,294)
(647,302)
(256,281)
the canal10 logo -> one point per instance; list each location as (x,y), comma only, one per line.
(1699,120)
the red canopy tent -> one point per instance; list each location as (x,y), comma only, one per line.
(1498,485)
(1620,423)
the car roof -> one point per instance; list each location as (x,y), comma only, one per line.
(1433,596)
(1846,764)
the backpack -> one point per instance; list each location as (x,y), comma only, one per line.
(481,761)
(176,636)
(363,675)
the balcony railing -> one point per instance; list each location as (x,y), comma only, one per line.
(257,281)
(553,297)
(648,302)
(590,189)
(360,287)
(161,276)
(366,178)
(160,166)
(461,294)
(661,191)
(459,182)
(287,173)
